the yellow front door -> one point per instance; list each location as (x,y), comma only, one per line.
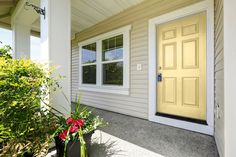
(181,67)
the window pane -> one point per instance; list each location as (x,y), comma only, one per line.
(112,43)
(89,74)
(89,53)
(112,48)
(113,73)
(119,41)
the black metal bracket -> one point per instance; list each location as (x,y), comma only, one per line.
(37,9)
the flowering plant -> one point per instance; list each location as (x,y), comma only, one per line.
(81,122)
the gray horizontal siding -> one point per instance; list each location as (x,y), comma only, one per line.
(219,76)
(74,73)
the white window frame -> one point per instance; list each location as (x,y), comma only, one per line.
(207,6)
(99,87)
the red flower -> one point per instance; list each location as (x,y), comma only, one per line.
(63,134)
(73,128)
(70,120)
(79,122)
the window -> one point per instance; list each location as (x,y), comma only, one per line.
(89,64)
(112,60)
(104,62)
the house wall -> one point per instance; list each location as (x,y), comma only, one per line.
(136,103)
(219,76)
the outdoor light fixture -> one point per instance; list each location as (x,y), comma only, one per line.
(37,9)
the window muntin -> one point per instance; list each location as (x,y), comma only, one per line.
(89,64)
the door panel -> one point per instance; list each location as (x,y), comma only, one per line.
(169,90)
(190,92)
(169,56)
(190,54)
(181,59)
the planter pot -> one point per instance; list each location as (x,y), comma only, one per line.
(73,147)
(28,154)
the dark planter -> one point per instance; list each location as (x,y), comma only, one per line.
(73,147)
(28,154)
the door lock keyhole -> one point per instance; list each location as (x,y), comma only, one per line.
(159,77)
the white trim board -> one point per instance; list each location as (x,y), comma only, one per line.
(207,6)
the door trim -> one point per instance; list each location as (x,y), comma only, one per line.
(207,6)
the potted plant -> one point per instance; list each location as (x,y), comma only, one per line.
(73,136)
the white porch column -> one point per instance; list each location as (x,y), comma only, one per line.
(21,41)
(230,77)
(56,48)
(21,21)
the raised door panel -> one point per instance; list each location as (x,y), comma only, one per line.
(169,56)
(169,91)
(190,53)
(190,92)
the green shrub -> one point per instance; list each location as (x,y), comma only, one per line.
(23,126)
(5,52)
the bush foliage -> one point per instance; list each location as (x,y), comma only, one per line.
(5,52)
(23,126)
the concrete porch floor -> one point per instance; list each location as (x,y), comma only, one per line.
(134,137)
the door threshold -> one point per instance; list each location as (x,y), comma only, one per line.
(198,121)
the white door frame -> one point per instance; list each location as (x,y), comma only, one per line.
(207,6)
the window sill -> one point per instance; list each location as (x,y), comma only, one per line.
(109,89)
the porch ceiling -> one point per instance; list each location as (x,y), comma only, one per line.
(84,13)
(6,8)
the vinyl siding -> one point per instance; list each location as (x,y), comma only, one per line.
(219,76)
(74,73)
(136,103)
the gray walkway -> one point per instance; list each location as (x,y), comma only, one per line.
(134,137)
